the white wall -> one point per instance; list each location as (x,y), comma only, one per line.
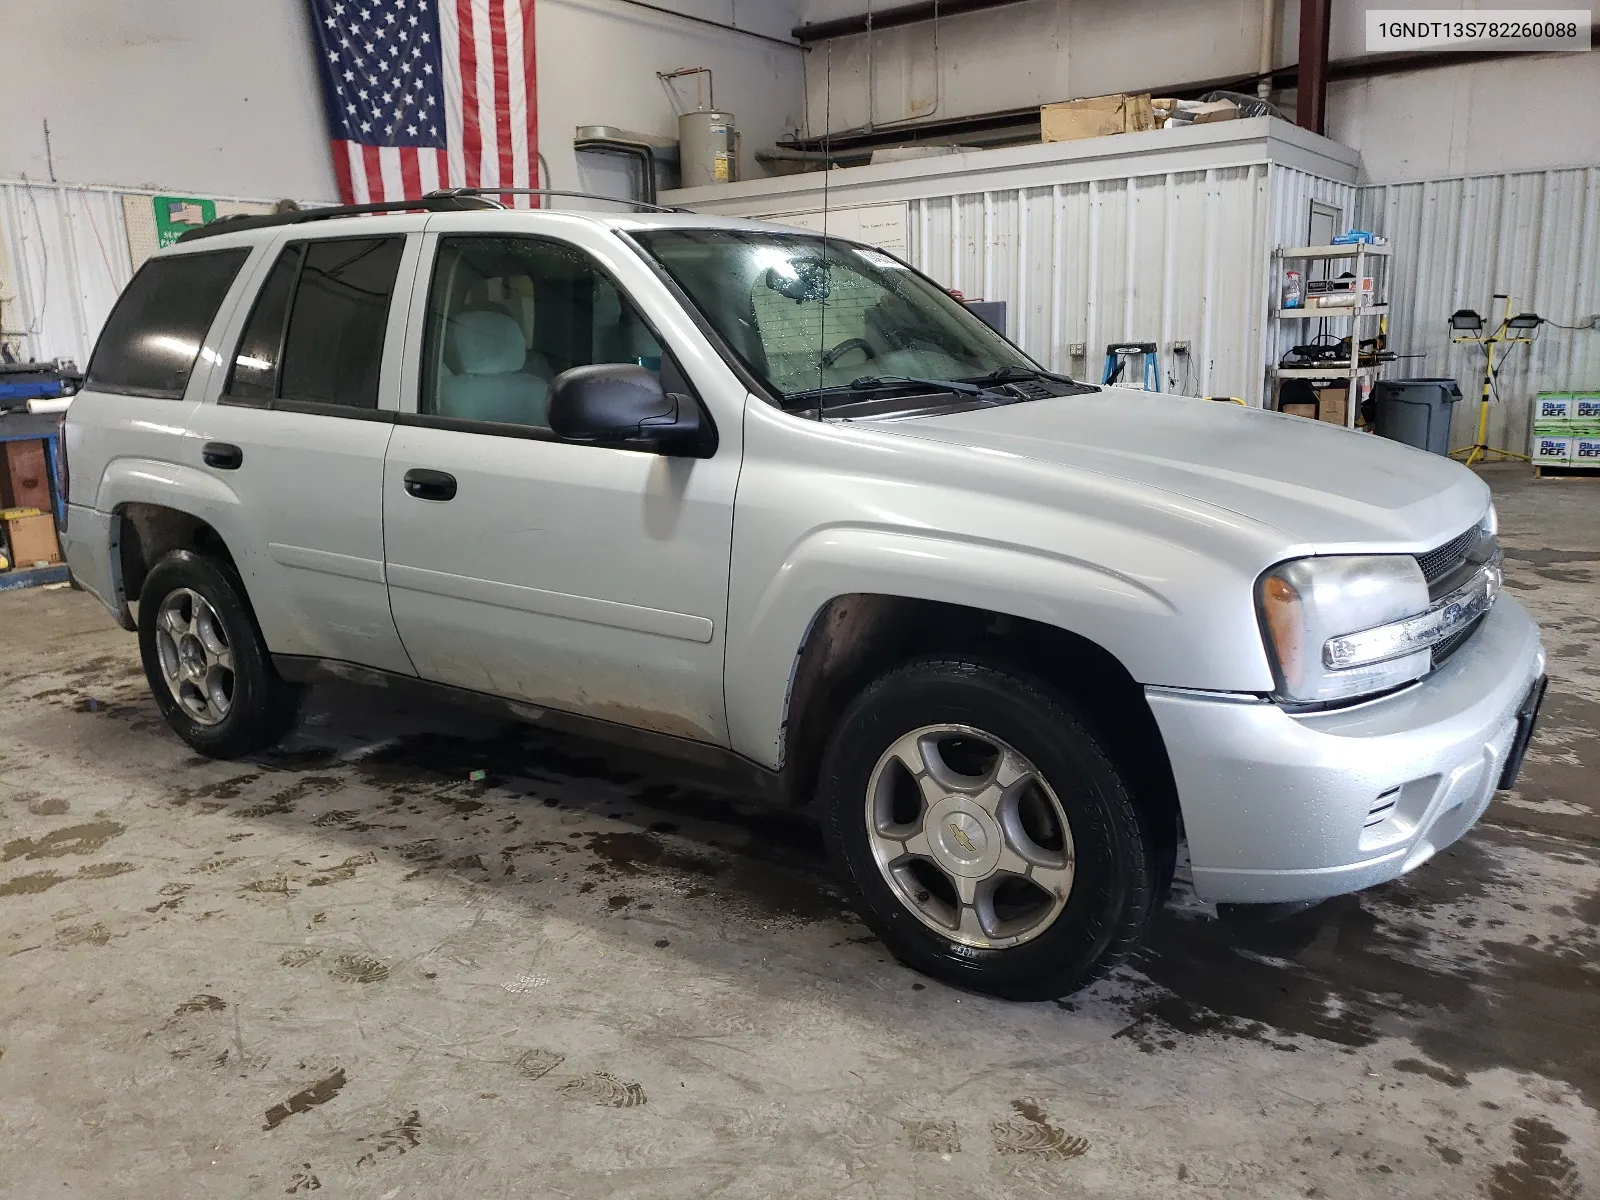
(598,61)
(211,96)
(220,97)
(1519,114)
(1443,121)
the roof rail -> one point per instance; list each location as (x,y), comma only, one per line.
(491,192)
(451,200)
(432,202)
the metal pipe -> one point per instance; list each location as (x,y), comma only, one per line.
(1269,16)
(1311,102)
(890,18)
(683,16)
(684,72)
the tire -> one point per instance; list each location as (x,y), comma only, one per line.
(223,712)
(1090,888)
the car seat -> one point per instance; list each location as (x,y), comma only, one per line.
(494,377)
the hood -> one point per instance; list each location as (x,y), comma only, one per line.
(1329,488)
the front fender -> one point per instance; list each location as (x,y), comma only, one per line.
(1151,631)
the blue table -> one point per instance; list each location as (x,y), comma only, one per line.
(37,427)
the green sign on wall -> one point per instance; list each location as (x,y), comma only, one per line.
(176,215)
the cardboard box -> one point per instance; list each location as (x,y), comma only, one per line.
(24,477)
(1333,405)
(1299,408)
(1586,449)
(33,540)
(1095,116)
(1217,110)
(1586,407)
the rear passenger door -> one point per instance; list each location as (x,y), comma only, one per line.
(297,430)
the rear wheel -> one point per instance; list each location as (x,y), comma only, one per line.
(992,842)
(206,663)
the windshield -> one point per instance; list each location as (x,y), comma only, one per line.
(804,313)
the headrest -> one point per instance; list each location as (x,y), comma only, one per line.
(485,342)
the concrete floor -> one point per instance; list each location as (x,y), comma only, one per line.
(348,967)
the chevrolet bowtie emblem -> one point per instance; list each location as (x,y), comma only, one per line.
(960,836)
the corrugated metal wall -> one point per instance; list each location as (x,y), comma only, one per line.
(1178,256)
(63,260)
(65,254)
(1535,235)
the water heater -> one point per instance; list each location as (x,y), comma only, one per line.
(707,148)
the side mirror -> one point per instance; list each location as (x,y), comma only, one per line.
(621,405)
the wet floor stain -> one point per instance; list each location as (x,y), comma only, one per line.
(405,1134)
(1031,1133)
(934,1137)
(109,870)
(1341,973)
(538,1062)
(320,1092)
(30,885)
(1539,1168)
(359,968)
(69,839)
(605,1090)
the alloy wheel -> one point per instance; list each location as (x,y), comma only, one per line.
(196,659)
(969,836)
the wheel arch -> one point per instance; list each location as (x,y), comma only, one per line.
(856,637)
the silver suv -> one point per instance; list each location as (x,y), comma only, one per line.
(780,503)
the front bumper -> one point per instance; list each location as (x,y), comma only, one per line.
(1283,807)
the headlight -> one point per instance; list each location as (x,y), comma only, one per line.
(1307,606)
(1491,521)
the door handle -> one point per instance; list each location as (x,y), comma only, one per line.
(430,485)
(222,455)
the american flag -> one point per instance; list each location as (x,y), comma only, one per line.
(425,94)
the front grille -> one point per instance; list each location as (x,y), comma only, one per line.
(1443,650)
(1438,563)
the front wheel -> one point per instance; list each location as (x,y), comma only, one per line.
(991,840)
(206,663)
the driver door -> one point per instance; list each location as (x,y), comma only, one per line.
(583,578)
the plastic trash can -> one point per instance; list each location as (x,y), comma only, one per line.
(1416,411)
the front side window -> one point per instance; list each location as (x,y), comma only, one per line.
(806,313)
(153,336)
(506,315)
(316,332)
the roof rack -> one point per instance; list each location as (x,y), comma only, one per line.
(452,200)
(489,192)
(432,202)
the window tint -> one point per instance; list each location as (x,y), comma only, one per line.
(254,374)
(153,335)
(333,346)
(506,315)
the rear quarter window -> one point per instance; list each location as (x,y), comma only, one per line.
(152,338)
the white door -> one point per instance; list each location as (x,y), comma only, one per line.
(587,579)
(298,435)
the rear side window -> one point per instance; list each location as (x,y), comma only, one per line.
(152,338)
(316,333)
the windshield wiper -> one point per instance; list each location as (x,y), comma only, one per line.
(1011,373)
(873,382)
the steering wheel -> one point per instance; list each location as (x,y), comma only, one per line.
(844,347)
